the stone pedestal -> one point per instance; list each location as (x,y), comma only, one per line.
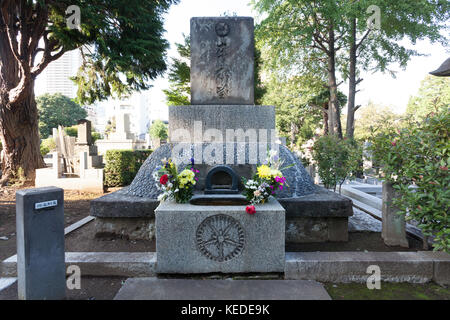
(205,239)
(393,228)
(217,123)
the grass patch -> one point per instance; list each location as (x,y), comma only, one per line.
(388,291)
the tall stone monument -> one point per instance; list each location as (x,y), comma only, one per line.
(222,85)
(222,60)
(222,127)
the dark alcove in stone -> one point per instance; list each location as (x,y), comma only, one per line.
(221,180)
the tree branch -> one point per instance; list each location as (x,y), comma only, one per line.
(362,39)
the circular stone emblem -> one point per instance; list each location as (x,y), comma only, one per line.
(220,237)
(222,29)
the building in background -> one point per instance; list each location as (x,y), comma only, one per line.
(137,105)
(58,73)
(56,79)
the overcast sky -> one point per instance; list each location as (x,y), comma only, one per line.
(380,88)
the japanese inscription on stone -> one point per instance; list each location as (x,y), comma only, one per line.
(222,60)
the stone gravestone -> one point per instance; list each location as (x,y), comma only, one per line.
(84,132)
(40,244)
(222,60)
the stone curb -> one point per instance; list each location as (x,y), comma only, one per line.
(127,264)
(413,267)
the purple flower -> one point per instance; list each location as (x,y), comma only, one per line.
(281,187)
(192,161)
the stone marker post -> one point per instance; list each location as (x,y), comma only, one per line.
(40,244)
(393,225)
(56,165)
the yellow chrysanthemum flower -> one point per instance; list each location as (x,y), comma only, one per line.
(264,171)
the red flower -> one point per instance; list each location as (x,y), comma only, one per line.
(250,209)
(443,168)
(163,179)
(394,143)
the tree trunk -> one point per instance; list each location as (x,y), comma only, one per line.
(334,118)
(325,122)
(352,84)
(19,134)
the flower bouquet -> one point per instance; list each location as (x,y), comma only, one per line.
(175,186)
(267,180)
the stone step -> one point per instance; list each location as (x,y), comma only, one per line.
(188,289)
(412,267)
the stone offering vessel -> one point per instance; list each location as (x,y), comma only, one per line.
(223,129)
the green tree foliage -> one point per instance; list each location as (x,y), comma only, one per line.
(419,155)
(129,46)
(159,130)
(337,159)
(301,105)
(300,35)
(57,109)
(123,49)
(377,49)
(433,96)
(374,117)
(179,92)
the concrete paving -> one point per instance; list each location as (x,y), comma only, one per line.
(188,289)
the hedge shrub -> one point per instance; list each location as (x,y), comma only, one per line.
(337,160)
(123,165)
(419,155)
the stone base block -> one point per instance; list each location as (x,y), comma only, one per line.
(224,239)
(129,228)
(308,229)
(317,217)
